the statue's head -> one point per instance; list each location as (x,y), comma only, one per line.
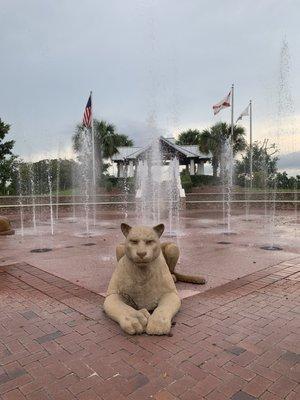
(142,243)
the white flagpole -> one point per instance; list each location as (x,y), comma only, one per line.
(232,110)
(93,142)
(230,167)
(93,160)
(251,146)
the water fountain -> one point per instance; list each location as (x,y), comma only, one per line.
(85,169)
(286,114)
(285,129)
(247,193)
(87,188)
(50,196)
(75,179)
(174,185)
(227,177)
(156,183)
(32,192)
(20,199)
(149,174)
(57,186)
(73,195)
(159,190)
(126,192)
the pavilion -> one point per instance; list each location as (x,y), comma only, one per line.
(127,158)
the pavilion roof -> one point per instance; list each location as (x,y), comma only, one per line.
(132,153)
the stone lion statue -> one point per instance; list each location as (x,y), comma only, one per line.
(5,227)
(142,282)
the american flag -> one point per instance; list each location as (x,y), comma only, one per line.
(87,116)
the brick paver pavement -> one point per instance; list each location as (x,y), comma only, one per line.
(239,341)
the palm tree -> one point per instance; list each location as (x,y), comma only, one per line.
(191,136)
(264,164)
(123,140)
(107,140)
(211,141)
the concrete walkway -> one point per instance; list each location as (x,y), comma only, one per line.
(89,261)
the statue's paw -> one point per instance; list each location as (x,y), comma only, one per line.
(143,316)
(158,325)
(131,325)
(135,323)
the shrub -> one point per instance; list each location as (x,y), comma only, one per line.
(112,182)
(186,181)
(202,180)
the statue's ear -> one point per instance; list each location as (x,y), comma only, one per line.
(159,229)
(125,228)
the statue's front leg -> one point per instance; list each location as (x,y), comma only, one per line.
(159,323)
(130,320)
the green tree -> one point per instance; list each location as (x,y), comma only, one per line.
(212,140)
(123,140)
(67,174)
(285,182)
(264,165)
(107,140)
(34,176)
(191,136)
(7,159)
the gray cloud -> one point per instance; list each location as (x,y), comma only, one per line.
(290,161)
(171,58)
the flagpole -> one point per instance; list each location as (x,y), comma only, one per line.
(232,110)
(251,146)
(93,142)
(93,160)
(230,167)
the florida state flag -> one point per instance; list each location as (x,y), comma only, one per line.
(222,104)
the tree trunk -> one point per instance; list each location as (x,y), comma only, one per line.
(214,163)
(215,171)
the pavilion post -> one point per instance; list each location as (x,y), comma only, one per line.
(192,166)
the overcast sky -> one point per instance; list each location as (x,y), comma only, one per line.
(167,60)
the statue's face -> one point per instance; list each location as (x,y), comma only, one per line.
(142,243)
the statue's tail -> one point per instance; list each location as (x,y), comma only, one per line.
(190,278)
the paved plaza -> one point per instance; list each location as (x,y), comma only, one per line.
(239,341)
(164,134)
(235,338)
